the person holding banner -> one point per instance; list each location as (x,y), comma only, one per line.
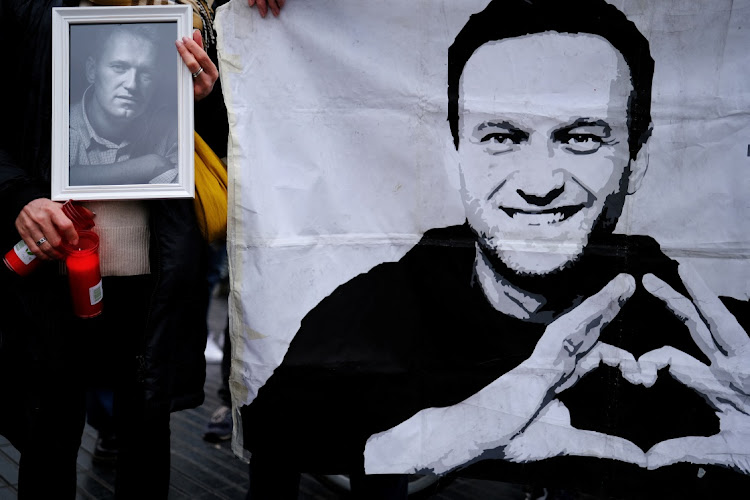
(530,343)
(150,338)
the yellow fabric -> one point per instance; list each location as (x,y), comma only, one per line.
(210,192)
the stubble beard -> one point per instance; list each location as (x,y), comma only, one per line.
(546,267)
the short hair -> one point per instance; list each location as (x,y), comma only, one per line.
(138,30)
(503,19)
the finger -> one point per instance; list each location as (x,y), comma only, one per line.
(41,246)
(186,55)
(262,7)
(572,335)
(692,373)
(65,228)
(685,311)
(201,58)
(552,435)
(53,246)
(610,356)
(198,38)
(716,450)
(273,4)
(726,330)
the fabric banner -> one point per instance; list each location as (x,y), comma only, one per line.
(503,239)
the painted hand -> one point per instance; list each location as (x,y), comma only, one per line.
(441,439)
(552,435)
(725,382)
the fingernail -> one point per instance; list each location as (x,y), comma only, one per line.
(627,282)
(178,42)
(650,282)
(185,39)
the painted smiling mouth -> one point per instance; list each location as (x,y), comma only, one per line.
(542,217)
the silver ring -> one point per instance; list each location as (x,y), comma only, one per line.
(41,241)
(200,70)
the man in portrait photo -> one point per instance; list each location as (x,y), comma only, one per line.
(531,341)
(120,131)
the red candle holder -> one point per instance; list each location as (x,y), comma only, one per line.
(21,260)
(84,276)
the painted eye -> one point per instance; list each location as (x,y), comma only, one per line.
(582,143)
(500,142)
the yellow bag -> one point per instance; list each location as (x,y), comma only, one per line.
(210,192)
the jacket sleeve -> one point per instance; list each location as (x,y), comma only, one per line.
(24,140)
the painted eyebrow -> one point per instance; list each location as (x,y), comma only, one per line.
(584,122)
(500,124)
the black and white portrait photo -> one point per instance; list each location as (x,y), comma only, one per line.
(123,125)
(125,98)
(503,239)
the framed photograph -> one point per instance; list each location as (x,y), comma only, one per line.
(122,116)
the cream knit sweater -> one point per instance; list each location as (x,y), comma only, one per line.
(123,232)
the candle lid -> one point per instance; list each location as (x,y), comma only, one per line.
(81,217)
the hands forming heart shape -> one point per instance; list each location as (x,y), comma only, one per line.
(517,416)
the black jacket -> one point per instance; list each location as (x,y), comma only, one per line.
(172,364)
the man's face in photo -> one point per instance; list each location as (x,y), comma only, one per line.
(123,77)
(543,145)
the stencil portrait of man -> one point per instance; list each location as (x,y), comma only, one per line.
(120,132)
(532,339)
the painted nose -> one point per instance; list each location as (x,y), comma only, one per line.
(540,201)
(539,182)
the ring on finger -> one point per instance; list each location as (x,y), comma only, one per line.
(41,241)
(200,70)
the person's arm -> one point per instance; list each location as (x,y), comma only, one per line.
(724,383)
(133,171)
(516,406)
(27,208)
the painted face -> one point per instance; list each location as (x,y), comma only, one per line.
(123,77)
(543,145)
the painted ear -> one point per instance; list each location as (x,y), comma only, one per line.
(90,70)
(638,169)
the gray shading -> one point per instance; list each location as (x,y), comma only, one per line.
(123,104)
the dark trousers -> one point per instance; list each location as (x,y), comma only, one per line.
(72,356)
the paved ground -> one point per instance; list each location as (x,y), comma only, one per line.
(205,471)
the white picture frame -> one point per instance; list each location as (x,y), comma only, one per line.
(152,117)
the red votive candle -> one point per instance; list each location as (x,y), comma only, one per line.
(84,277)
(22,261)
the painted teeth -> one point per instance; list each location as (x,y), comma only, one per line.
(538,219)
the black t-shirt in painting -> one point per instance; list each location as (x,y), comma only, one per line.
(419,333)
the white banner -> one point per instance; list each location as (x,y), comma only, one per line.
(342,157)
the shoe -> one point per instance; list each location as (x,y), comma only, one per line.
(105,449)
(219,428)
(213,352)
